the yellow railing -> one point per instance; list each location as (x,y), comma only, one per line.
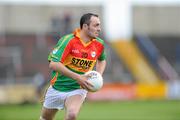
(135,62)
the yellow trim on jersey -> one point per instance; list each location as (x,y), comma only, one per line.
(77,33)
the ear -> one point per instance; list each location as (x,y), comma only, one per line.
(85,26)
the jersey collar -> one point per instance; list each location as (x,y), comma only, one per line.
(77,34)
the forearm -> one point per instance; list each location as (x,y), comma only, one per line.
(100,66)
(59,67)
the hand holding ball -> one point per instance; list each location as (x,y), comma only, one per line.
(95,79)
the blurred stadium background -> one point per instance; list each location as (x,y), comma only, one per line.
(143,52)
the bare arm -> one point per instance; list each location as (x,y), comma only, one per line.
(59,67)
(100,66)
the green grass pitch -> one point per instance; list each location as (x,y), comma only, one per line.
(121,110)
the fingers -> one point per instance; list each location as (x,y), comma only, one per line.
(87,75)
(85,84)
(89,84)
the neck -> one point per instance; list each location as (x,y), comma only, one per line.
(84,37)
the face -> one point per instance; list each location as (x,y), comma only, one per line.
(94,28)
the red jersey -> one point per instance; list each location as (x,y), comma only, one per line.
(77,56)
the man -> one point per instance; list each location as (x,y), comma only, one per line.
(74,55)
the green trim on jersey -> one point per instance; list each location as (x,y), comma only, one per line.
(61,84)
(103,55)
(56,54)
(100,40)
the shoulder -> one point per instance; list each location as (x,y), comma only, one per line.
(65,39)
(100,40)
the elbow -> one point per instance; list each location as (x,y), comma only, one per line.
(51,65)
(54,65)
(105,62)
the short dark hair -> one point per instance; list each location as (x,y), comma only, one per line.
(85,19)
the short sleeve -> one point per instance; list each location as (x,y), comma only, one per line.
(102,56)
(61,50)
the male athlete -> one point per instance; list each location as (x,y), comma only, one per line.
(73,55)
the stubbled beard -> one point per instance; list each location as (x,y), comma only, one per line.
(91,36)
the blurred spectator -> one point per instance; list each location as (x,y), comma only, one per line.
(61,25)
(39,82)
(178,53)
(67,19)
(56,27)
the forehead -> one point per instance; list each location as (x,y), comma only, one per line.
(95,19)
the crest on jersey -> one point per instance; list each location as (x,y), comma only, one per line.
(93,54)
(55,51)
